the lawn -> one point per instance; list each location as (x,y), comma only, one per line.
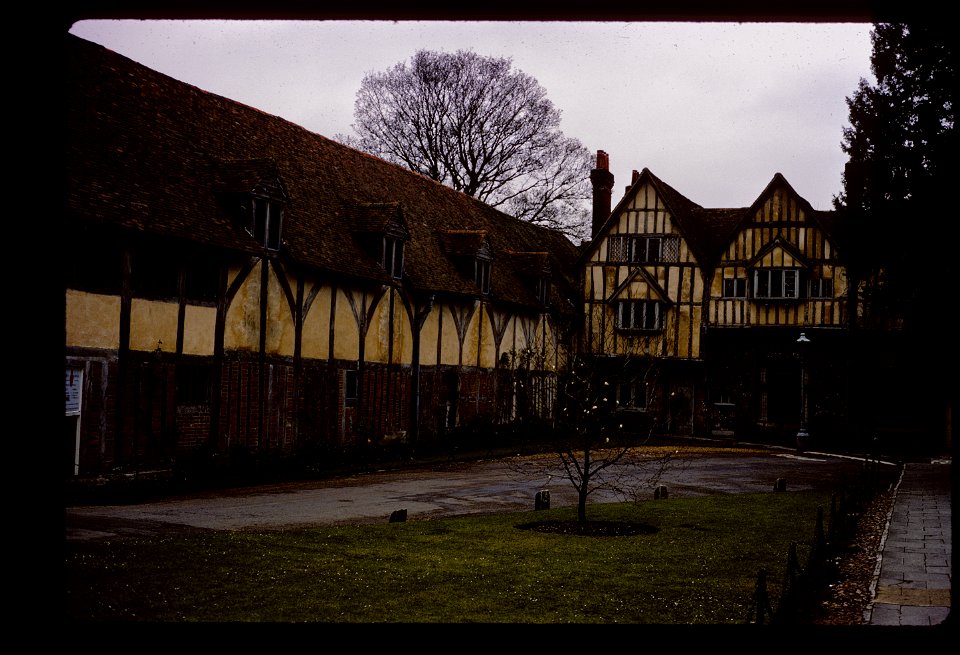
(696,563)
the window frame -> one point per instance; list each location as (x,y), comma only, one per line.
(642,321)
(351,387)
(266,228)
(543,290)
(635,390)
(765,279)
(482,273)
(642,248)
(737,287)
(821,287)
(391,256)
(647,253)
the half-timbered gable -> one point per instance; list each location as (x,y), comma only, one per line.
(727,291)
(779,267)
(241,286)
(643,289)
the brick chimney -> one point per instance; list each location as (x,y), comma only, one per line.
(602,180)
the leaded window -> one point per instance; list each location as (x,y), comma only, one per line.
(734,287)
(639,315)
(821,288)
(776,283)
(643,249)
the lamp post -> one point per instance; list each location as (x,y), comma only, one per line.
(803,437)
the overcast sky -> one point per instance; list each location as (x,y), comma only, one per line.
(713,109)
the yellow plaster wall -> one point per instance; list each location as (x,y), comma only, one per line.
(377,345)
(403,335)
(242,329)
(315,343)
(479,338)
(450,344)
(152,322)
(281,328)
(378,335)
(92,320)
(199,330)
(346,342)
(428,338)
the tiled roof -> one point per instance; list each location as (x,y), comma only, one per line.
(151,154)
(708,231)
(375,217)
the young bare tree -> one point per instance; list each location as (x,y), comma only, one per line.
(477,125)
(605,411)
(598,449)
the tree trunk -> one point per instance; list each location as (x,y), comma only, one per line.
(582,504)
(583,488)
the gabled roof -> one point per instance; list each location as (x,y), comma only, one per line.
(824,220)
(648,279)
(702,229)
(707,231)
(150,154)
(783,244)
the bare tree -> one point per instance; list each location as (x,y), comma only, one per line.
(597,447)
(475,124)
(605,411)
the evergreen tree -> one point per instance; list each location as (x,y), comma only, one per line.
(896,227)
(901,149)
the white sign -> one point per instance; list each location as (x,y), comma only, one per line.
(74,386)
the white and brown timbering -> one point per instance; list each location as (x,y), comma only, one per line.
(288,357)
(643,289)
(249,285)
(725,291)
(780,268)
(243,284)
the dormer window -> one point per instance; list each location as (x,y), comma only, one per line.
(543,291)
(265,222)
(471,252)
(253,192)
(380,230)
(392,259)
(482,274)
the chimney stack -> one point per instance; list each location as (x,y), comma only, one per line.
(602,180)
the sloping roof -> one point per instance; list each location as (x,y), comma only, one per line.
(150,154)
(376,218)
(462,243)
(708,231)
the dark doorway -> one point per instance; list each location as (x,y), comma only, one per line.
(783,392)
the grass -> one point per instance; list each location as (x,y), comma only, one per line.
(699,567)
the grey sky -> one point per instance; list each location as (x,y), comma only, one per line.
(713,109)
